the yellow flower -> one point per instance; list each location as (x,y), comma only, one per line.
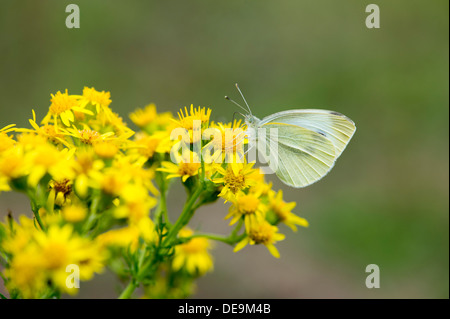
(283,211)
(123,237)
(186,119)
(40,258)
(134,170)
(150,120)
(235,178)
(59,192)
(260,187)
(61,247)
(13,163)
(136,203)
(232,140)
(248,206)
(193,254)
(87,168)
(48,159)
(129,236)
(48,131)
(100,100)
(6,141)
(30,141)
(18,239)
(74,213)
(187,167)
(87,136)
(107,121)
(63,106)
(262,233)
(105,149)
(148,145)
(113,182)
(25,273)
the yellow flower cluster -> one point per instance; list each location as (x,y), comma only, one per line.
(41,259)
(98,193)
(253,201)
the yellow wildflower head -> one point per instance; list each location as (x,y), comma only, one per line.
(39,259)
(74,213)
(48,159)
(148,145)
(193,254)
(105,149)
(249,206)
(188,166)
(232,139)
(13,163)
(262,233)
(283,211)
(143,117)
(6,141)
(98,99)
(186,119)
(62,106)
(235,178)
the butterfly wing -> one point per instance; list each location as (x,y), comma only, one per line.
(336,127)
(299,156)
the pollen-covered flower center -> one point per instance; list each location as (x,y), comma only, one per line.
(62,186)
(62,102)
(50,131)
(188,168)
(88,136)
(261,234)
(248,204)
(234,182)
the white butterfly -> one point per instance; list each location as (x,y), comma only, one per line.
(309,142)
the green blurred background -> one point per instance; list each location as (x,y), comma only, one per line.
(386,201)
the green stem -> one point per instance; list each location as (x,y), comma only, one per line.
(129,289)
(226,240)
(230,240)
(185,216)
(93,215)
(35,210)
(237,228)
(162,207)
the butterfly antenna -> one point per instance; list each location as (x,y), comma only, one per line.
(237,87)
(227,98)
(234,115)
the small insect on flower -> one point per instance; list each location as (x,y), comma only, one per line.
(100,197)
(299,162)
